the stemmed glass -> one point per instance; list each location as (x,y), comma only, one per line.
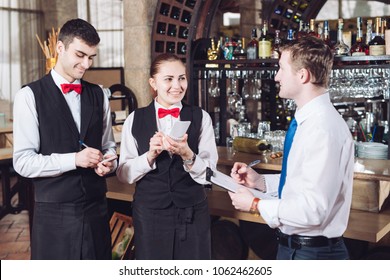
(257,87)
(213,87)
(233,96)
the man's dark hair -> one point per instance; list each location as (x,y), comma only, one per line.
(78,28)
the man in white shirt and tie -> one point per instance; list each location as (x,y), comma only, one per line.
(315,189)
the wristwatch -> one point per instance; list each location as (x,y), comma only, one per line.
(254,209)
(190,161)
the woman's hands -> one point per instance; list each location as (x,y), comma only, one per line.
(155,147)
(179,147)
(160,142)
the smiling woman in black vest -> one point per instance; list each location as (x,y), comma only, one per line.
(52,116)
(170,210)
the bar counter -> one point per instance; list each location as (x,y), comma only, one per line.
(365,169)
(362,225)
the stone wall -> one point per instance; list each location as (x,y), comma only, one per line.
(138,23)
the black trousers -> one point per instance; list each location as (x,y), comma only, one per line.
(71,231)
(172,233)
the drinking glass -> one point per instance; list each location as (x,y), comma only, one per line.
(263,127)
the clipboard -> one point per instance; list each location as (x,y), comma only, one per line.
(228,183)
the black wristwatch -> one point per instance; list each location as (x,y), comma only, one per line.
(190,161)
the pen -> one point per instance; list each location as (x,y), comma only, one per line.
(83,144)
(253,163)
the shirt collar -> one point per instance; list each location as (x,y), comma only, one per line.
(158,105)
(58,79)
(311,107)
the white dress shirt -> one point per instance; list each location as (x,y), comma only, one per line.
(27,162)
(132,167)
(317,194)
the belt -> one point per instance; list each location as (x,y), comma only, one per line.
(298,241)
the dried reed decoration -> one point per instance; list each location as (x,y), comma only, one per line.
(49,48)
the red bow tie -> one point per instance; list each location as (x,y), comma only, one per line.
(175,112)
(69,87)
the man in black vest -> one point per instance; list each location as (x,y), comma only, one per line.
(53,118)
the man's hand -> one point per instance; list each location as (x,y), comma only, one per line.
(242,199)
(246,176)
(88,158)
(105,166)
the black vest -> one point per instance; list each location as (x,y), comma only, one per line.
(169,182)
(59,134)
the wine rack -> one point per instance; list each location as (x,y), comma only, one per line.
(174,27)
(286,14)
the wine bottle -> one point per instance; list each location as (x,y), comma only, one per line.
(276,45)
(265,42)
(369,31)
(252,51)
(239,52)
(340,48)
(377,44)
(290,36)
(312,31)
(359,48)
(326,36)
(301,31)
(251,145)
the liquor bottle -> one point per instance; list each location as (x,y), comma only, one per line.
(369,31)
(320,31)
(276,46)
(326,36)
(221,44)
(359,48)
(377,44)
(340,48)
(290,36)
(228,49)
(265,42)
(383,28)
(312,30)
(301,31)
(252,51)
(239,52)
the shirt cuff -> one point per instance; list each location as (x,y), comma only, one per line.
(67,162)
(145,166)
(196,167)
(269,211)
(272,182)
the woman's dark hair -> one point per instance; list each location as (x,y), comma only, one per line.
(78,28)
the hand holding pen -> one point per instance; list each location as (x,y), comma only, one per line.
(251,164)
(104,165)
(88,157)
(243,174)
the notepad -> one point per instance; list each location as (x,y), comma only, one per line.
(229,184)
(179,129)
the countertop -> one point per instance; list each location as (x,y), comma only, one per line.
(366,169)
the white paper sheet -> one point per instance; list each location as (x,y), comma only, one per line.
(179,129)
(228,183)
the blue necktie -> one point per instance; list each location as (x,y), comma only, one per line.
(287,146)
